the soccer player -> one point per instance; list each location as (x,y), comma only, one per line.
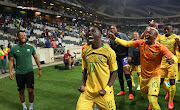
(171,41)
(123,54)
(135,61)
(23,52)
(151,54)
(100,71)
(151,24)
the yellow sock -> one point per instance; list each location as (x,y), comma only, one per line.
(139,78)
(163,85)
(172,92)
(153,100)
(132,78)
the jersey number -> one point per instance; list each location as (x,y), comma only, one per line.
(92,67)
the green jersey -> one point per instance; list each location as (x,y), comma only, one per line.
(23,56)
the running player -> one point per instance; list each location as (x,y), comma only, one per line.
(100,71)
(171,41)
(151,54)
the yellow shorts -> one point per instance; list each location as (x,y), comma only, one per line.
(150,86)
(86,102)
(170,72)
(136,68)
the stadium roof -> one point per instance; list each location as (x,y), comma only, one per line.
(134,8)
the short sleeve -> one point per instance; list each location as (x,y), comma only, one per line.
(112,62)
(11,53)
(33,51)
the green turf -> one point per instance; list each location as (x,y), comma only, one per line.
(57,90)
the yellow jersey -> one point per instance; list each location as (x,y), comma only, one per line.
(170,43)
(99,63)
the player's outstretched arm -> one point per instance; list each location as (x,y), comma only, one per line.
(110,83)
(120,41)
(83,84)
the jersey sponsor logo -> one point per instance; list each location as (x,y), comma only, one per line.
(18,51)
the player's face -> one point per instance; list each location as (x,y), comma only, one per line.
(113,29)
(136,35)
(167,30)
(150,36)
(93,34)
(89,40)
(22,37)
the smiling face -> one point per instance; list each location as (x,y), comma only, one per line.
(93,35)
(167,30)
(22,37)
(150,36)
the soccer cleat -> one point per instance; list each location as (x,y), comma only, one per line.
(121,93)
(149,108)
(170,105)
(24,108)
(131,97)
(133,85)
(138,88)
(167,96)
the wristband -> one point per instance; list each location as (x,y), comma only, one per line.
(107,88)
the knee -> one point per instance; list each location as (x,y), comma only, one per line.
(21,92)
(30,90)
(126,70)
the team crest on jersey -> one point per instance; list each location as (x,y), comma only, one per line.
(28,50)
(154,53)
(18,51)
(100,57)
(86,57)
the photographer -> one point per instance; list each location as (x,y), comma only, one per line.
(69,59)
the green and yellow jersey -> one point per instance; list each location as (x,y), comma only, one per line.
(99,63)
(170,43)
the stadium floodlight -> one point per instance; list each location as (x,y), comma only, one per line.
(58,16)
(44,2)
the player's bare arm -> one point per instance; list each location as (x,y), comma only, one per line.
(83,84)
(110,83)
(11,60)
(38,63)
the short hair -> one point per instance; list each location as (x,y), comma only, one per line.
(167,25)
(157,32)
(99,28)
(19,32)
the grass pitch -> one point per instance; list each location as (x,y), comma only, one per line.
(57,90)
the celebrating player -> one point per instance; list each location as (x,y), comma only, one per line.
(151,53)
(100,71)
